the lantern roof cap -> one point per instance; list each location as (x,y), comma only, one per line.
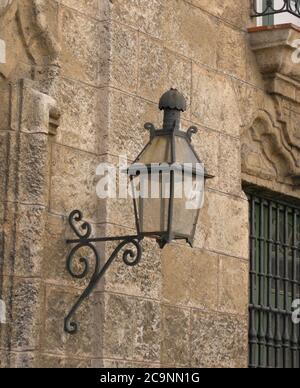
(172,99)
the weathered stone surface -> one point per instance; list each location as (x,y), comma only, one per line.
(79,124)
(218,341)
(73,181)
(234,12)
(4,108)
(50,362)
(34,169)
(250,100)
(29,241)
(230,166)
(55,253)
(163,71)
(24,318)
(215,233)
(179,33)
(118,327)
(54,339)
(146,343)
(190,277)
(234,275)
(23,360)
(176,271)
(125,129)
(4,359)
(80,52)
(175,325)
(232,51)
(124,58)
(88,7)
(144,280)
(207,145)
(214,103)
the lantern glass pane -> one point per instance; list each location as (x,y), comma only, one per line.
(184,152)
(157,151)
(152,203)
(186,206)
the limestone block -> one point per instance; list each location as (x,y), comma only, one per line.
(24,318)
(88,7)
(118,327)
(50,362)
(124,58)
(73,363)
(144,15)
(250,100)
(146,342)
(214,103)
(232,51)
(188,30)
(37,109)
(144,280)
(218,341)
(207,145)
(176,270)
(237,13)
(4,151)
(79,124)
(215,233)
(22,239)
(190,277)
(4,108)
(230,165)
(29,237)
(34,168)
(4,359)
(175,345)
(81,50)
(234,274)
(54,339)
(56,250)
(163,71)
(73,181)
(126,135)
(23,360)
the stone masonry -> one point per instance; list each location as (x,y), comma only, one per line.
(81,78)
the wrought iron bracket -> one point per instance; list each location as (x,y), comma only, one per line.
(83,231)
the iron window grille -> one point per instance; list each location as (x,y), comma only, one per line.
(268,8)
(274,340)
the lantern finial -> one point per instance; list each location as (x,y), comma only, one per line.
(172,99)
(172,103)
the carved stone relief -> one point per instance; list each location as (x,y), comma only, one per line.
(268,153)
(30,32)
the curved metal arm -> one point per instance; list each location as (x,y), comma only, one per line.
(130,258)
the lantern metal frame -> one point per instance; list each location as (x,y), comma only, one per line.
(165,237)
(129,245)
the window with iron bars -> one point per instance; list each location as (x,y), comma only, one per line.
(272,12)
(274,339)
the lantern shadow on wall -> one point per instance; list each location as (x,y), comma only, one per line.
(164,167)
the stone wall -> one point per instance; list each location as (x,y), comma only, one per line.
(103,65)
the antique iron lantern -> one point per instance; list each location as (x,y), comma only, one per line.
(167,182)
(170,178)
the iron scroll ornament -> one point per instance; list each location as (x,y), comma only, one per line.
(83,231)
(290,6)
